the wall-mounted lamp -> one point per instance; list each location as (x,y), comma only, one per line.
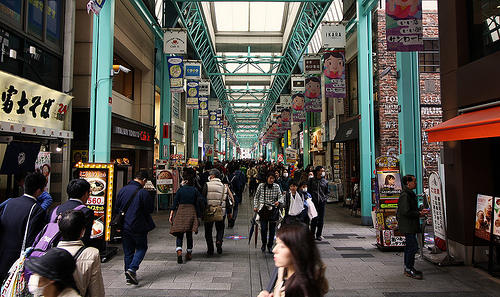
(117,68)
(60,145)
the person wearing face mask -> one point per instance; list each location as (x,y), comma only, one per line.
(294,205)
(268,194)
(53,274)
(318,188)
(284,182)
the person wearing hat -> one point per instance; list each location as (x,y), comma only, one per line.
(318,188)
(52,274)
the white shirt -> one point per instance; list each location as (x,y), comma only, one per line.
(296,204)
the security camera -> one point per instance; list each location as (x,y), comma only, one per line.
(117,68)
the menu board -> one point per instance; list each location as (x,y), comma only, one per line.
(100,177)
(388,182)
(484,216)
(164,181)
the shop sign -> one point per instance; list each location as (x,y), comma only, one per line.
(192,162)
(484,216)
(192,70)
(20,157)
(333,35)
(203,107)
(142,135)
(212,118)
(166,181)
(209,149)
(334,73)
(286,101)
(28,103)
(205,88)
(80,156)
(312,64)
(298,108)
(388,182)
(404,26)
(213,104)
(178,130)
(313,94)
(192,94)
(298,84)
(42,165)
(175,72)
(438,212)
(280,158)
(175,41)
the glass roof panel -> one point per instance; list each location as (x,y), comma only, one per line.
(266,16)
(231,16)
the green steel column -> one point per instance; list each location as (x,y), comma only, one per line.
(211,142)
(194,127)
(226,147)
(165,109)
(307,144)
(365,94)
(101,84)
(409,117)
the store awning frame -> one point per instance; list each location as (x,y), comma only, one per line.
(348,130)
(483,123)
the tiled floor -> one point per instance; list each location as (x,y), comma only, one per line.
(354,266)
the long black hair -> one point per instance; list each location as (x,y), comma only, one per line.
(309,276)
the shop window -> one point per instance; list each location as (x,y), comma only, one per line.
(428,59)
(11,11)
(123,83)
(484,27)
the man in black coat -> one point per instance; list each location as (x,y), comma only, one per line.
(138,222)
(318,188)
(78,192)
(408,215)
(14,216)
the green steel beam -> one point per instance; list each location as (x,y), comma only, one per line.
(147,17)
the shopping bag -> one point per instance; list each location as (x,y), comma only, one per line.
(15,284)
(311,209)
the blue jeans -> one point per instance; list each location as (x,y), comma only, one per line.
(134,249)
(189,241)
(317,222)
(411,249)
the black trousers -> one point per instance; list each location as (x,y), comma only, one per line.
(266,226)
(411,249)
(219,236)
(317,222)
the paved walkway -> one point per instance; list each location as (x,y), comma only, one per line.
(355,266)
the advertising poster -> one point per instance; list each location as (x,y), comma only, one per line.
(496,216)
(484,216)
(313,94)
(205,88)
(438,213)
(404,25)
(333,35)
(42,165)
(100,177)
(192,94)
(298,84)
(388,182)
(203,107)
(316,135)
(312,65)
(298,108)
(192,70)
(212,118)
(334,72)
(164,181)
(175,72)
(209,149)
(79,156)
(286,118)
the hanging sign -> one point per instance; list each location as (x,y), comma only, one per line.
(313,94)
(316,139)
(438,219)
(388,182)
(192,94)
(205,88)
(212,118)
(298,84)
(312,65)
(192,70)
(213,104)
(209,149)
(298,108)
(175,71)
(203,107)
(404,26)
(165,181)
(333,35)
(175,41)
(286,101)
(334,72)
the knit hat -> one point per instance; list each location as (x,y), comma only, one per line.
(56,264)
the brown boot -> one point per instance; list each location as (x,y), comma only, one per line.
(179,256)
(189,256)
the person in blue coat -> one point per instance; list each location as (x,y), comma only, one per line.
(14,215)
(137,223)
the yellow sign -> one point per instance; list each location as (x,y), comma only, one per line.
(193,162)
(28,103)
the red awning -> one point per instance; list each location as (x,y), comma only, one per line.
(477,124)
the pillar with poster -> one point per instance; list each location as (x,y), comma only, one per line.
(167,183)
(101,177)
(387,190)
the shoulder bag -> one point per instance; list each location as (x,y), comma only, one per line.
(213,213)
(119,218)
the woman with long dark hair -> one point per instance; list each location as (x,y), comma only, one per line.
(300,271)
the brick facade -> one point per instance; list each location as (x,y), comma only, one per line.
(430,95)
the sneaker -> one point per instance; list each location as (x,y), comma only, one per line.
(132,277)
(413,273)
(179,257)
(219,248)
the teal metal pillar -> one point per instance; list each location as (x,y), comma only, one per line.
(211,142)
(194,126)
(226,147)
(306,142)
(410,143)
(165,110)
(101,84)
(365,94)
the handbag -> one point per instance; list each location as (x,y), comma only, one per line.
(119,218)
(269,213)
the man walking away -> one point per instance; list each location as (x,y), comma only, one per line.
(318,188)
(137,223)
(408,216)
(14,215)
(252,177)
(78,192)
(238,182)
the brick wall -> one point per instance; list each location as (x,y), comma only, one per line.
(430,95)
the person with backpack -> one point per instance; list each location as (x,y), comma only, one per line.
(138,205)
(238,182)
(294,205)
(14,215)
(79,192)
(87,275)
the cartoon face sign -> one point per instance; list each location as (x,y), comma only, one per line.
(298,102)
(279,121)
(313,87)
(285,115)
(401,9)
(334,65)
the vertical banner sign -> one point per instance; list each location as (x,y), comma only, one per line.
(313,94)
(175,41)
(213,104)
(312,64)
(212,118)
(192,70)
(404,25)
(203,107)
(205,88)
(484,216)
(334,71)
(175,71)
(298,108)
(42,165)
(438,220)
(333,35)
(298,84)
(192,94)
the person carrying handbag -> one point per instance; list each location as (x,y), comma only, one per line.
(217,194)
(266,202)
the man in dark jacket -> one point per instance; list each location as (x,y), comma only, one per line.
(238,181)
(78,192)
(318,188)
(14,216)
(408,215)
(137,223)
